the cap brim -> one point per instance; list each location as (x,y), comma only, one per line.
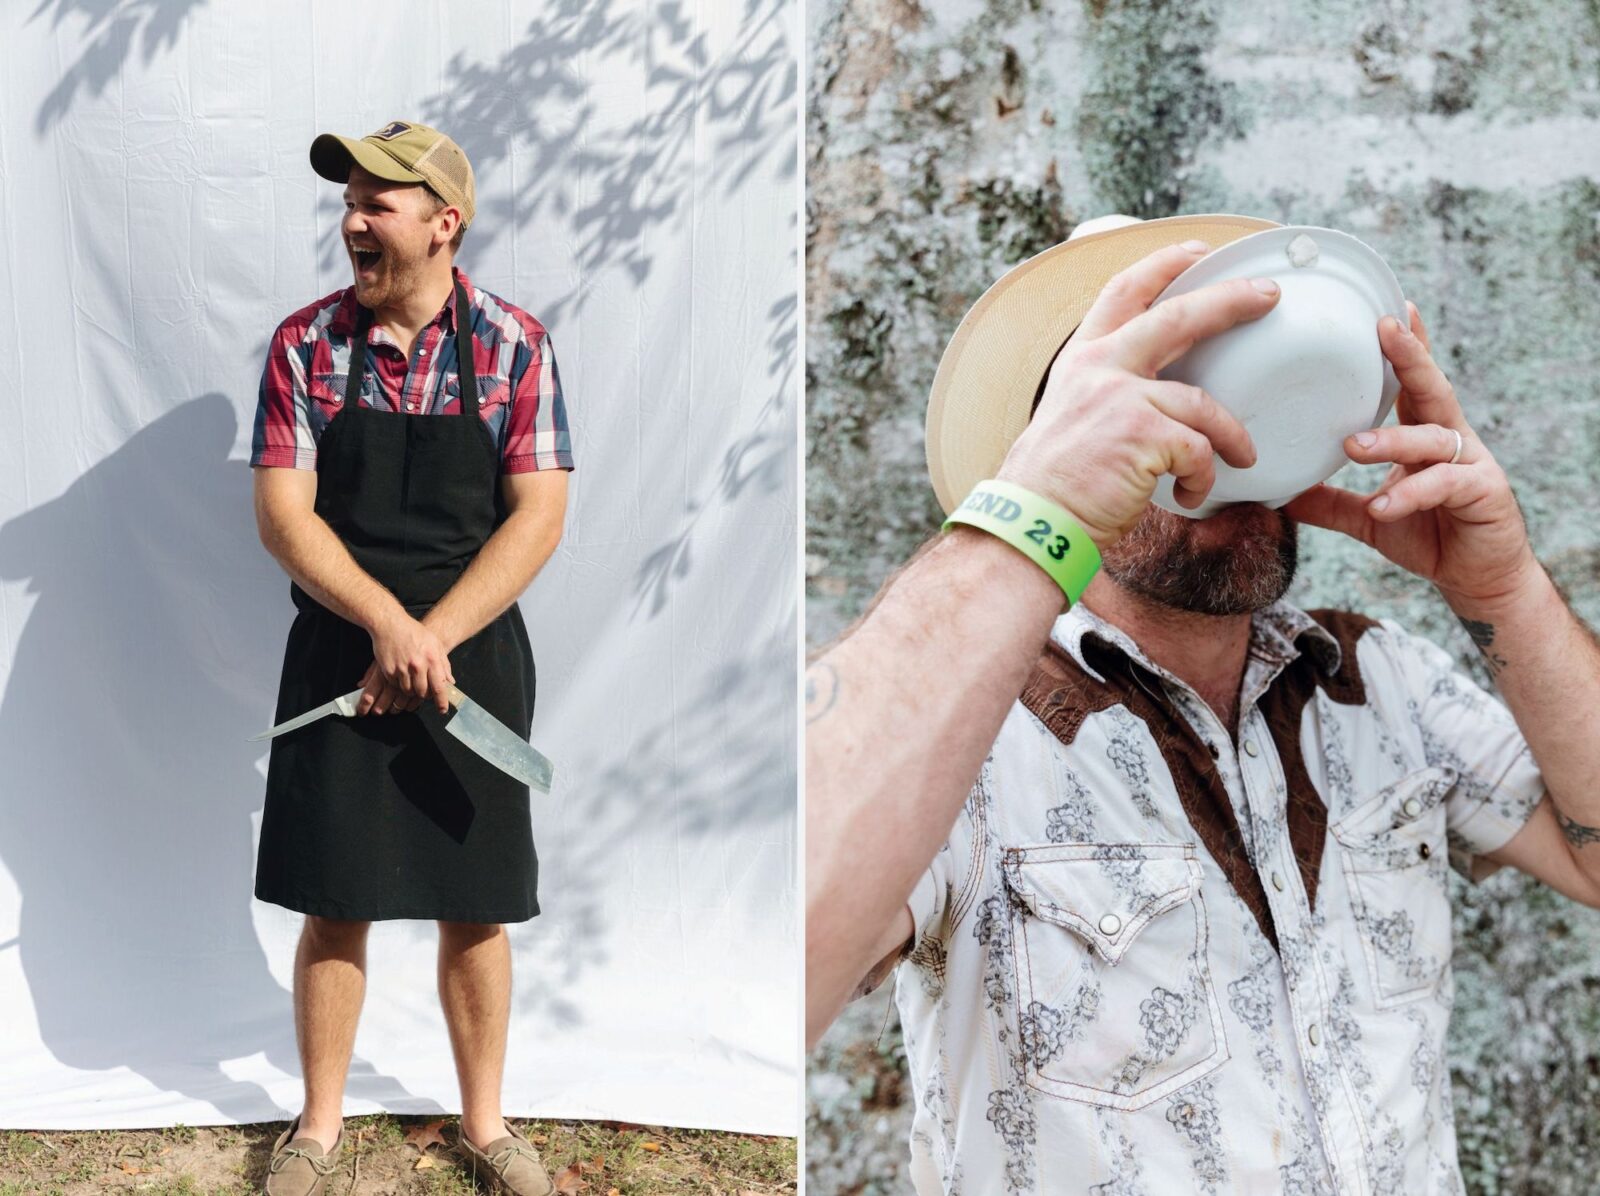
(331,156)
(982,396)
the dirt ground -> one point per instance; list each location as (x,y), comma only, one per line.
(381,1158)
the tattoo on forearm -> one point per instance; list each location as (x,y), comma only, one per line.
(822,690)
(1483,635)
(1577,834)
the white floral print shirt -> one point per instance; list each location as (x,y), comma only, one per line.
(1091,1005)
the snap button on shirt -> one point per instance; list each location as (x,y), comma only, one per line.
(1110,924)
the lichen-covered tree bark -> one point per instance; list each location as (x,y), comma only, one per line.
(950,139)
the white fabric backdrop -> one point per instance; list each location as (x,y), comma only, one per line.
(636,166)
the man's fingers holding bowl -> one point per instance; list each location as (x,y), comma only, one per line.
(1335,509)
(1190,461)
(1418,329)
(1153,341)
(1428,395)
(1193,407)
(1131,292)
(1453,486)
(1412,444)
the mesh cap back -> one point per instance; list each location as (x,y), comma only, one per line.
(449,173)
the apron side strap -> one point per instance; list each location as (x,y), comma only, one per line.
(466,363)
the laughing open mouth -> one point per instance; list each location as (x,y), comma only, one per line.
(366,259)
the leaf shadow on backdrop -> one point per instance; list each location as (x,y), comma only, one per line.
(148,554)
(164,524)
(115,30)
(723,757)
(612,189)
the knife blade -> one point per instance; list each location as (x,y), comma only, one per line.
(498,743)
(345,704)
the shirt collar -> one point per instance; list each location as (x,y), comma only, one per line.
(1277,633)
(343,321)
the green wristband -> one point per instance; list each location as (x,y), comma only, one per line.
(1035,527)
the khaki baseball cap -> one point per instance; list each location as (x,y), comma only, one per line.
(402,152)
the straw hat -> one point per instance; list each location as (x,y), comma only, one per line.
(991,371)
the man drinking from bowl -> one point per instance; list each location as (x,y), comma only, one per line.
(1167,871)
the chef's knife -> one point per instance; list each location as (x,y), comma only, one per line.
(497,743)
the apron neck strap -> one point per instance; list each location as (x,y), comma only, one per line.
(358,357)
(466,367)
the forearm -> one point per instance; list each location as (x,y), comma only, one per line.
(313,555)
(900,716)
(505,565)
(1547,664)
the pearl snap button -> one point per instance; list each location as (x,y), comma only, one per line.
(1277,882)
(1314,1034)
(1411,808)
(1110,924)
(1250,748)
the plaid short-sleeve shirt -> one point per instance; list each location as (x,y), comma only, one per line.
(1155,958)
(519,388)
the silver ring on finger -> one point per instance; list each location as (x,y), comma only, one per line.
(1456,456)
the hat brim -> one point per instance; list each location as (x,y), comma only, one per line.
(983,392)
(332,155)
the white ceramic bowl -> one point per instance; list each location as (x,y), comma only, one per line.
(1305,375)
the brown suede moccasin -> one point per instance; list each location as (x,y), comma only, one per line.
(508,1164)
(298,1167)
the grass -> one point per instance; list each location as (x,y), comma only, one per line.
(610,1157)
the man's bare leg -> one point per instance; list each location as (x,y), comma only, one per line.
(475,992)
(330,980)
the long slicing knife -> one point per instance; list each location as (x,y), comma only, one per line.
(472,725)
(345,705)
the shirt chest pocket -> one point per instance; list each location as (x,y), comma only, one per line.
(1396,866)
(492,391)
(1116,1005)
(326,392)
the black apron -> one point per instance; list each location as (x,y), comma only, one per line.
(389,816)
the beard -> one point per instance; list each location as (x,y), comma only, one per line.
(1238,561)
(390,282)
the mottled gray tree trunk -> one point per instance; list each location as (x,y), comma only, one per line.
(950,139)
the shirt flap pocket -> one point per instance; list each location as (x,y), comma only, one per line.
(327,389)
(1399,808)
(492,389)
(1105,893)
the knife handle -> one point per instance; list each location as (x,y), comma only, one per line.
(456,696)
